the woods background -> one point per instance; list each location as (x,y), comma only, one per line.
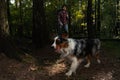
(36,20)
(27,28)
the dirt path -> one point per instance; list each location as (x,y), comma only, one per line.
(43,66)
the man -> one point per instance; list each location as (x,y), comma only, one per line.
(62,20)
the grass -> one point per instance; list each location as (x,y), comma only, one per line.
(112,47)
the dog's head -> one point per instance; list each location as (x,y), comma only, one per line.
(60,42)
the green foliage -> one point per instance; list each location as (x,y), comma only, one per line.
(51,8)
(78,16)
(112,48)
(108,17)
(26,16)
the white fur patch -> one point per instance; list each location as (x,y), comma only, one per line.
(87,65)
(54,44)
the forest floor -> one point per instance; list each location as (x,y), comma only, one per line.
(43,66)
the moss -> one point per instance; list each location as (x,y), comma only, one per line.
(112,47)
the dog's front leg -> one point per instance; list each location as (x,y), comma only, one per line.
(73,67)
(63,55)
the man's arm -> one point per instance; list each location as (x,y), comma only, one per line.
(67,16)
(59,21)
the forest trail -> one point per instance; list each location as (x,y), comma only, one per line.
(43,66)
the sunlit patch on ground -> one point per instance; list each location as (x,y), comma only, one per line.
(104,76)
(56,68)
(46,67)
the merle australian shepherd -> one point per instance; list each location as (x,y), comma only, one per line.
(77,50)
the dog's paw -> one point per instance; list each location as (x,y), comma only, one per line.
(62,56)
(68,74)
(98,61)
(60,61)
(74,72)
(87,65)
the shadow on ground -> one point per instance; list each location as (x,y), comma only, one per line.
(41,65)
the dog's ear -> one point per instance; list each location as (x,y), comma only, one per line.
(52,36)
(61,40)
(65,35)
(64,44)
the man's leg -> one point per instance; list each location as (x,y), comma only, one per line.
(66,28)
(59,30)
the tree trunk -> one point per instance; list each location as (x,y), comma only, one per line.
(9,16)
(4,27)
(98,19)
(95,17)
(40,32)
(6,45)
(90,27)
(69,24)
(117,21)
(20,26)
(16,3)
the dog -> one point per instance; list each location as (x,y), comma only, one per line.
(77,50)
